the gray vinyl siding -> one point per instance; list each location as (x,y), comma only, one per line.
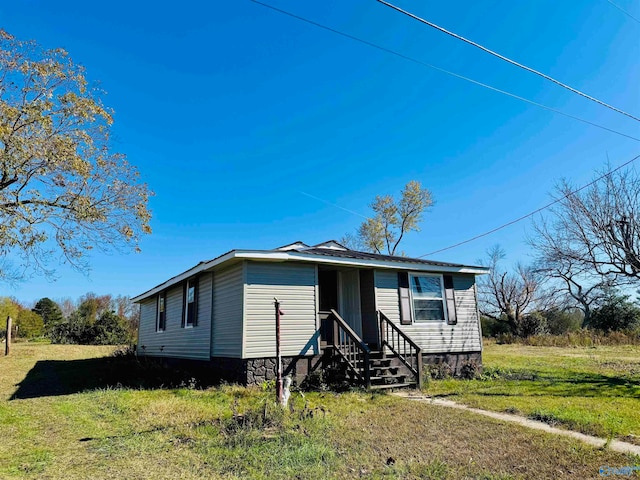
(226,334)
(177,341)
(435,337)
(147,328)
(294,284)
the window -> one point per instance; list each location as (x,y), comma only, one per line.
(190,303)
(427,298)
(161,321)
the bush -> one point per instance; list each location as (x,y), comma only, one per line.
(616,314)
(108,329)
(532,324)
(470,370)
(580,338)
(492,328)
(563,321)
(438,371)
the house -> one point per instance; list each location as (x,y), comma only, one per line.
(378,317)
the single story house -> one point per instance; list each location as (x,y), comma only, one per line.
(379,317)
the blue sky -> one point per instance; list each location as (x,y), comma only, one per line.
(231,110)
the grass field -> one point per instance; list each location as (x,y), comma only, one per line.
(594,390)
(64,416)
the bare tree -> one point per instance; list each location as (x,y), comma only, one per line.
(590,242)
(597,229)
(393,219)
(510,296)
(67,305)
(576,286)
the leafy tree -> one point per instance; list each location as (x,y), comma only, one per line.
(62,188)
(49,311)
(615,313)
(560,321)
(8,308)
(129,311)
(393,219)
(95,322)
(110,329)
(30,324)
(92,306)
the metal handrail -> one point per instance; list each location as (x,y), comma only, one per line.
(408,351)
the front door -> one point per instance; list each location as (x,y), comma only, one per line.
(349,299)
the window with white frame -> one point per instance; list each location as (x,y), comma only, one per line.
(427,296)
(161,321)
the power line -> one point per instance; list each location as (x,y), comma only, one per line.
(442,70)
(384,49)
(624,11)
(508,60)
(532,213)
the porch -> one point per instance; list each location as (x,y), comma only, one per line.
(362,341)
(394,362)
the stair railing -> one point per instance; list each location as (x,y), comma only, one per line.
(402,345)
(349,347)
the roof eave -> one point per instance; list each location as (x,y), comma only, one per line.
(283,256)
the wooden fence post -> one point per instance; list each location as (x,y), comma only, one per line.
(7,345)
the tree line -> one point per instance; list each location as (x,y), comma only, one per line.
(91,320)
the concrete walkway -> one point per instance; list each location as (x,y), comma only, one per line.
(615,445)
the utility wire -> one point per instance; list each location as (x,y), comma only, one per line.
(624,11)
(384,49)
(508,60)
(442,70)
(532,213)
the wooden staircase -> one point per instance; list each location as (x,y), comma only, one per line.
(398,363)
(388,372)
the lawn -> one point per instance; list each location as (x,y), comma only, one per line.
(595,390)
(69,412)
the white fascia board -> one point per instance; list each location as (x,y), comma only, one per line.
(374,263)
(283,256)
(201,267)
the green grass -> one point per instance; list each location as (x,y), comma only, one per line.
(595,390)
(63,416)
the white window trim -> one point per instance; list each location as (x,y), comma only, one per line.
(442,298)
(160,295)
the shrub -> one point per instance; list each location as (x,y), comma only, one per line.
(439,370)
(492,328)
(532,324)
(580,338)
(563,321)
(470,370)
(617,313)
(108,329)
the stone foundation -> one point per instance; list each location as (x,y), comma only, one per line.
(255,371)
(455,360)
(260,370)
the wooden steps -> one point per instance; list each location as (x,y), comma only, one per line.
(387,373)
